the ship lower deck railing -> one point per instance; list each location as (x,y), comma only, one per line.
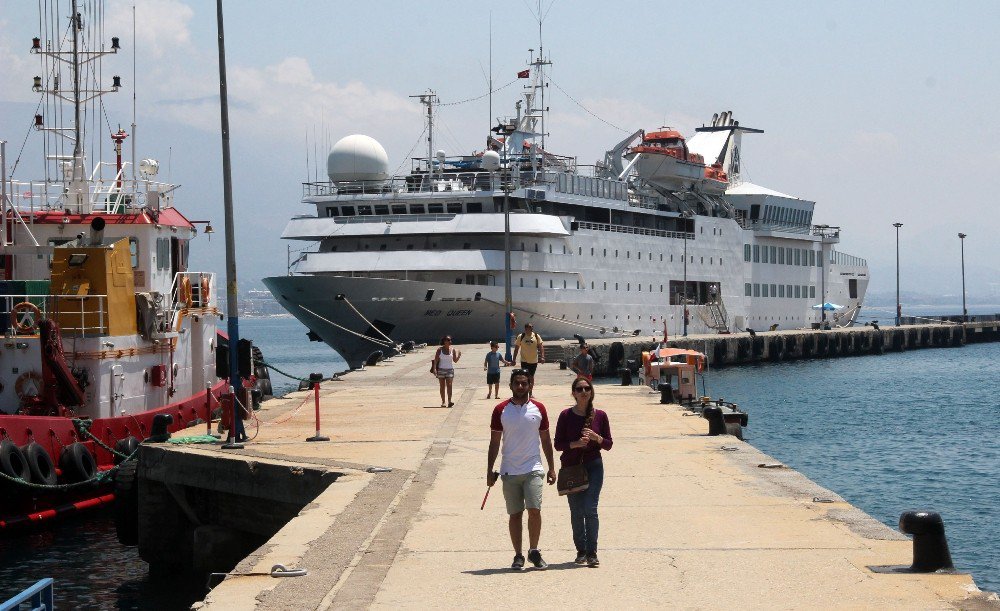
(661,233)
(77,315)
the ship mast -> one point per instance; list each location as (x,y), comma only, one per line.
(429,99)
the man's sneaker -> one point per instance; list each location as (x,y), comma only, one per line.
(518,564)
(581,558)
(535,557)
(592,560)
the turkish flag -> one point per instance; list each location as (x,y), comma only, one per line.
(524,74)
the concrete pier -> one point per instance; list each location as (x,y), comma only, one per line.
(687,520)
(784,345)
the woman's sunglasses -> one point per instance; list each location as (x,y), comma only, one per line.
(582,389)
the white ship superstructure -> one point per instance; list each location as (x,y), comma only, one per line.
(621,248)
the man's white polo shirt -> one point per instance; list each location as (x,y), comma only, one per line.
(520,425)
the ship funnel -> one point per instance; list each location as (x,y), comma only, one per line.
(97,231)
(715,119)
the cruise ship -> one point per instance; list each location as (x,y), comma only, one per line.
(661,236)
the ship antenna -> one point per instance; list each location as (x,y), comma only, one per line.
(134,88)
(429,99)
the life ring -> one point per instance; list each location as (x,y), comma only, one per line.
(205,294)
(646,365)
(184,291)
(77,463)
(23,324)
(12,461)
(28,384)
(43,470)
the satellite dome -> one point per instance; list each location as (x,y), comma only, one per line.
(357,157)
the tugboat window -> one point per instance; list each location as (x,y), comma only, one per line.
(77,259)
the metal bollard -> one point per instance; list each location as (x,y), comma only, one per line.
(716,422)
(666,392)
(563,366)
(930,547)
(315,379)
(626,376)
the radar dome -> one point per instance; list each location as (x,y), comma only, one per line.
(491,161)
(357,157)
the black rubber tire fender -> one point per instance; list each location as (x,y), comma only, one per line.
(127,503)
(43,470)
(77,463)
(125,446)
(13,462)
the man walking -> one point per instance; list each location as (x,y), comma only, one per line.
(521,422)
(529,344)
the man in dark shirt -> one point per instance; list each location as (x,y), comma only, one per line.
(583,364)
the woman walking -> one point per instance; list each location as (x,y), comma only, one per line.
(443,367)
(581,433)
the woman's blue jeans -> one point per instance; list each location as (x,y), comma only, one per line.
(583,509)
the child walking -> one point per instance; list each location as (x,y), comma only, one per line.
(492,368)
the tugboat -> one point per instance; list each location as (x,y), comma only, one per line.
(104,327)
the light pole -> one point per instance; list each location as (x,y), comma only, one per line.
(898,308)
(965,312)
(508,301)
(685,300)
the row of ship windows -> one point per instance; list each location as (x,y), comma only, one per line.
(780,255)
(793,291)
(382,209)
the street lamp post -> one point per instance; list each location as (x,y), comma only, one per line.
(965,312)
(898,308)
(685,300)
(508,301)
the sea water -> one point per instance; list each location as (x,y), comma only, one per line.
(889,433)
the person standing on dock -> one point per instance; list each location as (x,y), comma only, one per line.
(584,364)
(443,367)
(491,365)
(529,344)
(581,433)
(521,423)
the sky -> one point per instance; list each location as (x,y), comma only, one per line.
(877,111)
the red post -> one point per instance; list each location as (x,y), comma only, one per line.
(208,411)
(315,378)
(232,443)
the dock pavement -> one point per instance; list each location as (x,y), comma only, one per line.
(687,520)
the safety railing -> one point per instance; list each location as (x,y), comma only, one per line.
(192,290)
(38,597)
(77,315)
(437,183)
(633,230)
(115,195)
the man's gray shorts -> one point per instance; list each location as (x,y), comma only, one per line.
(523,491)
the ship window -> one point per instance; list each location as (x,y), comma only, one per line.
(455,208)
(605,286)
(564,249)
(381,209)
(347,211)
(781,256)
(798,256)
(616,253)
(458,281)
(812,291)
(605,252)
(616,286)
(382,247)
(564,284)
(756,253)
(756,290)
(409,247)
(788,256)
(702,228)
(798,291)
(550,249)
(470,279)
(661,288)
(747,288)
(522,282)
(366,246)
(536,283)
(628,254)
(711,260)
(416,208)
(133,251)
(580,251)
(789,291)
(763,256)
(591,285)
(812,258)
(364,210)
(774,252)
(591,252)
(474,207)
(467,245)
(702,260)
(746,252)
(763,292)
(435,208)
(481,279)
(536,246)
(774,290)
(162,253)
(628,287)
(805,289)
(671,258)
(399,209)
(640,287)
(550,283)
(332,211)
(781,290)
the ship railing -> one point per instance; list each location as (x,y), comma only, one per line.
(191,290)
(421,183)
(759,225)
(37,596)
(662,233)
(77,315)
(114,195)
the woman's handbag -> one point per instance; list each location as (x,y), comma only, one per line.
(572,479)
